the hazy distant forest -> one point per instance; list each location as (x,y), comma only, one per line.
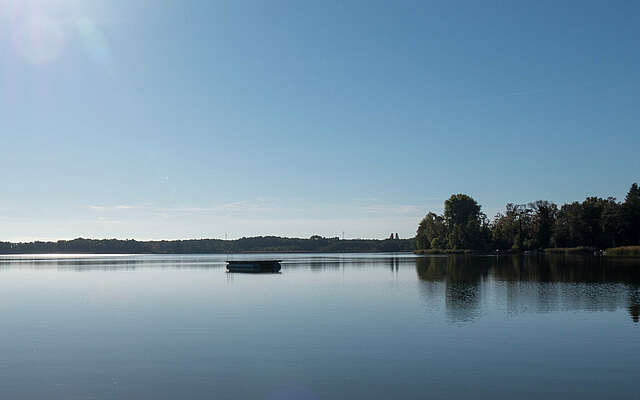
(203,246)
(595,223)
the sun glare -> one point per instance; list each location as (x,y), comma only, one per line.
(39,30)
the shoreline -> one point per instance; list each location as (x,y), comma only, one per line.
(620,251)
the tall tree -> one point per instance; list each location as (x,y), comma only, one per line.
(569,229)
(613,223)
(632,214)
(515,228)
(544,217)
(463,220)
(431,232)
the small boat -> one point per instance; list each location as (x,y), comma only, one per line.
(254,266)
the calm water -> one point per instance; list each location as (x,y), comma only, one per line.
(328,327)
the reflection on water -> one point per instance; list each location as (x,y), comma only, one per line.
(634,310)
(329,326)
(532,283)
(469,285)
(108,263)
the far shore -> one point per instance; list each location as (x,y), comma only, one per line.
(621,251)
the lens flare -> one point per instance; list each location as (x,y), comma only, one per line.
(39,30)
(39,38)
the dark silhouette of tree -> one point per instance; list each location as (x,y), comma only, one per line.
(514,228)
(632,214)
(544,216)
(595,222)
(463,220)
(432,232)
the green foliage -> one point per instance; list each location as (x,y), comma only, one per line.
(431,227)
(544,215)
(631,213)
(466,225)
(463,226)
(524,226)
(595,223)
(460,209)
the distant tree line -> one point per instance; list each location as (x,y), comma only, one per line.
(595,222)
(251,244)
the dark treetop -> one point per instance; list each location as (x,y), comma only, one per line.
(595,223)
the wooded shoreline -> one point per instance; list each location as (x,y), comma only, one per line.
(595,224)
(265,244)
(622,251)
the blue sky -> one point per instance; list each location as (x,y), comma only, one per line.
(165,119)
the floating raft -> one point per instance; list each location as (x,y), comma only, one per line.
(254,266)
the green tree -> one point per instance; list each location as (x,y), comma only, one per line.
(514,229)
(569,229)
(431,228)
(544,217)
(613,223)
(503,228)
(460,209)
(463,220)
(632,215)
(596,222)
(437,243)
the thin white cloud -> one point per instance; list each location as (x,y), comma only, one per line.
(112,208)
(260,216)
(237,206)
(104,220)
(262,206)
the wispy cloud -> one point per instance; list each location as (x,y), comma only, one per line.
(257,205)
(377,207)
(244,205)
(265,216)
(261,207)
(113,208)
(104,220)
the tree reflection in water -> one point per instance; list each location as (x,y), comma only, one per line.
(531,283)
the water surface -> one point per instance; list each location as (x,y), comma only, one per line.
(329,326)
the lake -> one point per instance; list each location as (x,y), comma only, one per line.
(329,326)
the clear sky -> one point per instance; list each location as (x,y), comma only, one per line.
(189,119)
